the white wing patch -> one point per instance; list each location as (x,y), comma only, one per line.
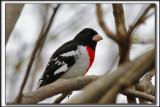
(58,62)
(40,82)
(63,63)
(71,53)
(55,59)
(81,65)
(64,68)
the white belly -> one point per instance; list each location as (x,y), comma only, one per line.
(81,65)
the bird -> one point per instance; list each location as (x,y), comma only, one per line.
(72,59)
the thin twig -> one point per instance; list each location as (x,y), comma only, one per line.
(38,43)
(103,26)
(39,52)
(141,19)
(38,56)
(143,42)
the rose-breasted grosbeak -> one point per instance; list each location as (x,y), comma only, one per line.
(73,58)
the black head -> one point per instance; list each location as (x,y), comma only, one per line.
(88,37)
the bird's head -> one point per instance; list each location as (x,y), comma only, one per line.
(88,37)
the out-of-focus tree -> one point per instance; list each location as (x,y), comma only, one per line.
(11,16)
(107,86)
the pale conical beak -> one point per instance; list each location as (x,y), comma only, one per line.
(97,38)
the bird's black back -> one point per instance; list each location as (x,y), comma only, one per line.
(52,67)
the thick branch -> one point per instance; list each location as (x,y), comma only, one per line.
(139,94)
(131,92)
(38,44)
(137,68)
(60,86)
(145,85)
(131,76)
(60,98)
(124,42)
(119,20)
(104,27)
(130,71)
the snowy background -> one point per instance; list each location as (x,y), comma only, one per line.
(69,20)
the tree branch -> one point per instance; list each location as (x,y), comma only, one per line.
(38,58)
(12,14)
(134,93)
(38,44)
(103,26)
(119,20)
(141,19)
(137,68)
(124,42)
(55,88)
(145,85)
(122,83)
(116,80)
(139,94)
(60,98)
(143,41)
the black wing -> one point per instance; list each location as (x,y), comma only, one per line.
(58,64)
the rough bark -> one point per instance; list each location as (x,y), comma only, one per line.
(60,86)
(121,78)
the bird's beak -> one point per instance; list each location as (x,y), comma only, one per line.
(97,38)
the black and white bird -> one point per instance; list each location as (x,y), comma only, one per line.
(72,59)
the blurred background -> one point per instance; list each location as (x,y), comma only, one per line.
(69,20)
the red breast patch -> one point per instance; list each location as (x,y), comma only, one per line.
(91,54)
